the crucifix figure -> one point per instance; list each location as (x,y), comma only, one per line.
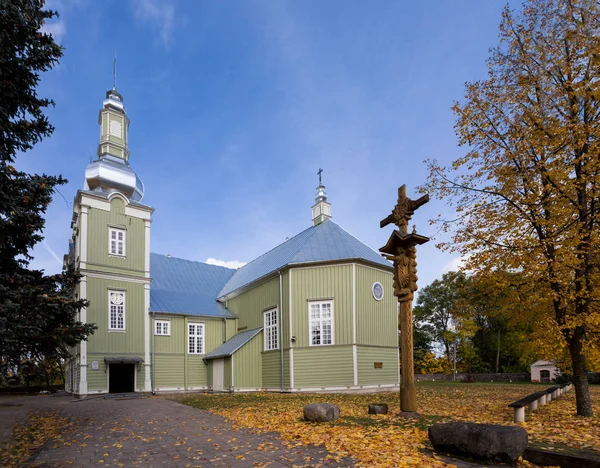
(401,249)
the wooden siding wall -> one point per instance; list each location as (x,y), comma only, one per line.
(321,283)
(271,369)
(323,366)
(368,374)
(111,343)
(249,306)
(376,321)
(174,367)
(247,364)
(97,254)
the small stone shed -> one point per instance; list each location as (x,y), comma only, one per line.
(544,371)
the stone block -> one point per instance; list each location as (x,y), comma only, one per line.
(378,408)
(321,412)
(482,441)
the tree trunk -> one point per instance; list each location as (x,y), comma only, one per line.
(498,353)
(580,381)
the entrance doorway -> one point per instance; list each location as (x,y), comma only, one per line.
(218,375)
(545,376)
(121,378)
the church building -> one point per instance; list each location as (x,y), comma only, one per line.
(316,312)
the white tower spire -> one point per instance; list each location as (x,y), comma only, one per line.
(321,210)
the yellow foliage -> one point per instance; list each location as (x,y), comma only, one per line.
(430,364)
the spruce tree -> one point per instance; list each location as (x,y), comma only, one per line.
(38,312)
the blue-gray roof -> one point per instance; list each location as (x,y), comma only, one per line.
(231,346)
(323,242)
(187,287)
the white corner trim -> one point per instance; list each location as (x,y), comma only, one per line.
(147,248)
(83,237)
(354,348)
(147,376)
(83,386)
(291,352)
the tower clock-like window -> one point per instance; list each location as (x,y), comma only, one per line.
(195,338)
(271,332)
(320,322)
(116,241)
(116,310)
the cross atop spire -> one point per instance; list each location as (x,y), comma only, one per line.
(319,172)
(115,71)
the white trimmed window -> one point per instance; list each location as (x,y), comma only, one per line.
(116,241)
(320,322)
(116,310)
(195,338)
(271,330)
(162,327)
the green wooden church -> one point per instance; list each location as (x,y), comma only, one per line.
(314,313)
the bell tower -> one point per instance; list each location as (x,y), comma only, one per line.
(110,246)
(114,126)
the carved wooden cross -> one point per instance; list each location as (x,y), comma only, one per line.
(403,210)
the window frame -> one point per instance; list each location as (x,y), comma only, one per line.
(320,320)
(267,329)
(117,230)
(123,305)
(202,334)
(162,322)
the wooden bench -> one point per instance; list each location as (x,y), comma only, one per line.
(538,398)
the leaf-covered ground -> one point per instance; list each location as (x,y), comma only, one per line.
(31,436)
(386,440)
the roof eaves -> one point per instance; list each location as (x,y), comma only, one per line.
(230,315)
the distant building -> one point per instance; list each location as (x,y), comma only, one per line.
(315,313)
(544,371)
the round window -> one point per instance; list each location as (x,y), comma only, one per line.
(377,291)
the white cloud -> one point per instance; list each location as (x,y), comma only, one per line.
(56,28)
(454,264)
(158,12)
(225,263)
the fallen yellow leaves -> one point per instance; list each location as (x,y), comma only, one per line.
(387,440)
(31,436)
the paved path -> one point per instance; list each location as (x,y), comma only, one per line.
(155,432)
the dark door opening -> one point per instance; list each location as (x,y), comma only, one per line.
(121,378)
(545,376)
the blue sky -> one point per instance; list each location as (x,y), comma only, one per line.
(235,105)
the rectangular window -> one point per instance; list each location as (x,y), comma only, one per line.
(162,327)
(116,241)
(116,310)
(271,330)
(195,338)
(320,322)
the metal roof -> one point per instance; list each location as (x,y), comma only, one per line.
(231,346)
(187,287)
(323,242)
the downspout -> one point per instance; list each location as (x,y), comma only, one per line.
(280,329)
(224,329)
(152,359)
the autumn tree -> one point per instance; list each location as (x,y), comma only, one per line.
(38,313)
(437,305)
(527,190)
